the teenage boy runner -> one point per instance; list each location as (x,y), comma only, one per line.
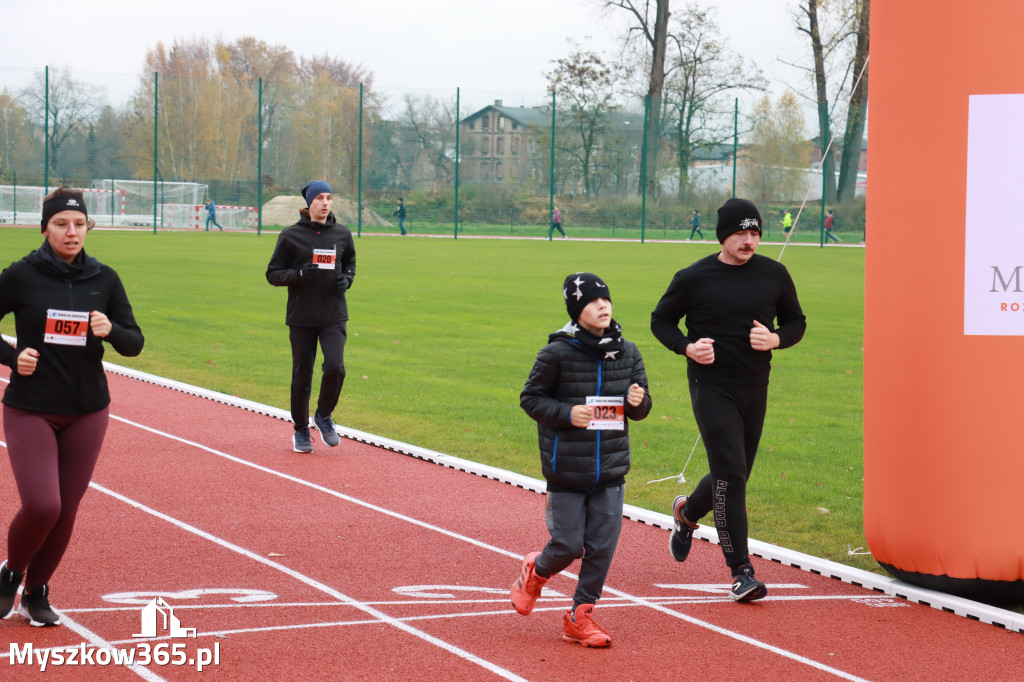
(731,301)
(586,383)
(316,259)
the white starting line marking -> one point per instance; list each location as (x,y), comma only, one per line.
(316,584)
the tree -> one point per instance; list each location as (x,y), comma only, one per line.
(68,105)
(428,133)
(15,137)
(813,30)
(585,89)
(839,54)
(857,113)
(652,32)
(777,151)
(700,71)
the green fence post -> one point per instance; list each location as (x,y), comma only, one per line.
(359,170)
(551,193)
(259,161)
(735,140)
(156,151)
(457,163)
(643,170)
(46,129)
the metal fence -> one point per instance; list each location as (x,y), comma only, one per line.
(464,163)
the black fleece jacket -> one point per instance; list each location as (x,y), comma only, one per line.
(67,379)
(721,302)
(565,373)
(316,298)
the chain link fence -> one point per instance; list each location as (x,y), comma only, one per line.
(153,150)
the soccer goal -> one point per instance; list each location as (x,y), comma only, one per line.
(193,217)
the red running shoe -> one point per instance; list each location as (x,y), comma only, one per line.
(527,588)
(580,627)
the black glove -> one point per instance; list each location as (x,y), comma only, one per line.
(306,269)
(343,281)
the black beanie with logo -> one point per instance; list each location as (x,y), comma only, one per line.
(579,289)
(735,215)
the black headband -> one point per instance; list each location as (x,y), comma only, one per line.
(52,207)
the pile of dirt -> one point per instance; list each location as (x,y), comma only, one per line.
(283,211)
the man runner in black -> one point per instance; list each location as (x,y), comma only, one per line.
(731,302)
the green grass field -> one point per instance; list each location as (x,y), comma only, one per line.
(443,333)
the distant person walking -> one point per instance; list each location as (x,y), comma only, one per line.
(316,259)
(400,212)
(787,222)
(695,222)
(66,304)
(830,225)
(556,223)
(211,216)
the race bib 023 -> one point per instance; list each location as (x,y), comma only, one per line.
(609,413)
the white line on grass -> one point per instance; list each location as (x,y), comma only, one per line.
(463,538)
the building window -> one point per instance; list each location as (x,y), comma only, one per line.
(500,148)
(499,173)
(515,125)
(485,171)
(485,146)
(514,144)
(501,123)
(485,121)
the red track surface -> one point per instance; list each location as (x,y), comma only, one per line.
(361,563)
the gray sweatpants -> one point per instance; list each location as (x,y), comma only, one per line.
(582,525)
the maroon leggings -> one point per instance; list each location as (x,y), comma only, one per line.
(53,457)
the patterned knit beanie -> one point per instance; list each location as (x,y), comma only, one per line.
(581,288)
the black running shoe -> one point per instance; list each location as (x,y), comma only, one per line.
(745,587)
(326,428)
(10,581)
(35,607)
(682,531)
(301,442)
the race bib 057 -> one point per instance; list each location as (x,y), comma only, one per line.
(66,327)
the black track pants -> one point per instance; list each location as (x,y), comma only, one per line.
(730,419)
(332,343)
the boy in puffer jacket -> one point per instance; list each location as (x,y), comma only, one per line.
(587,382)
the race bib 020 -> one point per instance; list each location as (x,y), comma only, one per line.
(325,258)
(66,327)
(609,413)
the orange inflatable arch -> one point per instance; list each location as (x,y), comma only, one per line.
(944,298)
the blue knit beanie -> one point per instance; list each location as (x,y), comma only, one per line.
(315,189)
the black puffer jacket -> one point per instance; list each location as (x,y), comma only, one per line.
(315,298)
(565,373)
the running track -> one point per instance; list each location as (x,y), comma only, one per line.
(359,562)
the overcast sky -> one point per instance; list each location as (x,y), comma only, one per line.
(490,49)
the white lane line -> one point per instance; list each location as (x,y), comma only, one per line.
(380,616)
(498,550)
(605,601)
